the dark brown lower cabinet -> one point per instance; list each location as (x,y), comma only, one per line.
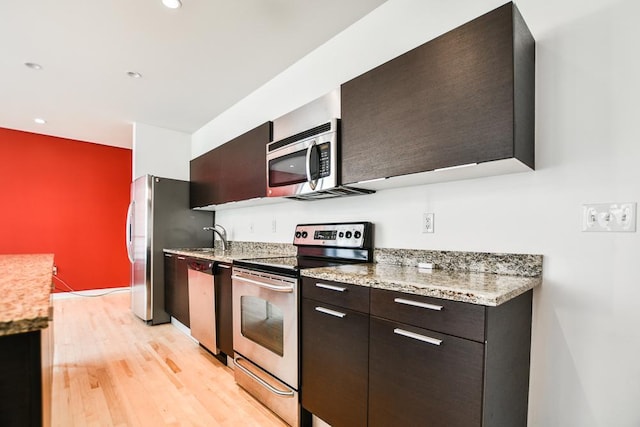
(429,365)
(412,360)
(224,317)
(176,288)
(25,378)
(416,382)
(335,363)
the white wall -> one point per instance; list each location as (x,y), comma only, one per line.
(160,152)
(586,342)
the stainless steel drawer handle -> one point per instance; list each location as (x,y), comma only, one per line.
(224,266)
(330,287)
(265,285)
(182,257)
(418,337)
(260,381)
(330,312)
(418,304)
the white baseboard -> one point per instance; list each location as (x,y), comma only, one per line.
(89,293)
(182,328)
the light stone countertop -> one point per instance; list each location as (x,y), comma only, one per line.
(477,288)
(235,252)
(475,277)
(25,286)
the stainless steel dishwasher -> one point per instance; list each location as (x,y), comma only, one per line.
(202,303)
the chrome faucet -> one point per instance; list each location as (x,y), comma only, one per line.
(220,231)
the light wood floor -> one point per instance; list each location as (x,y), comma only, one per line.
(110,369)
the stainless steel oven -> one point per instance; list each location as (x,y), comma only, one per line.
(265,331)
(266,304)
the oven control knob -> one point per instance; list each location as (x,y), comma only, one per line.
(304,234)
(341,234)
(348,234)
(357,234)
(298,234)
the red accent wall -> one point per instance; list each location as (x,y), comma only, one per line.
(69,198)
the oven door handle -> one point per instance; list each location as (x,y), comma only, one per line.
(265,285)
(272,389)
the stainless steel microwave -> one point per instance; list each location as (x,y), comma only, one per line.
(306,165)
(305,162)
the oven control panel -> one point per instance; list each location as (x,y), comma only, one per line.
(344,235)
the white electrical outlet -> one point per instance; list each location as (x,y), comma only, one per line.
(427,222)
(609,217)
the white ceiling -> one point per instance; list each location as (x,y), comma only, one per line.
(196,61)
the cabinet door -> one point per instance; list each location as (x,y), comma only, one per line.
(334,363)
(452,101)
(176,288)
(417,383)
(224,312)
(21,391)
(233,171)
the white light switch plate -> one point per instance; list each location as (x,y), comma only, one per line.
(609,217)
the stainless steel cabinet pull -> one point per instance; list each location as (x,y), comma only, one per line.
(182,257)
(168,255)
(265,285)
(224,266)
(418,304)
(330,312)
(330,287)
(418,337)
(260,381)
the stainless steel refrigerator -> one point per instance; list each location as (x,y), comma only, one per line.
(159,217)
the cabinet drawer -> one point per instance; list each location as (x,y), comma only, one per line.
(340,294)
(450,317)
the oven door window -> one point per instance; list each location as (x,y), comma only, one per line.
(262,323)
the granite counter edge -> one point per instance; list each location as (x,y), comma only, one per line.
(435,291)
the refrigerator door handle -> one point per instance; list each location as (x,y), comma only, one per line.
(129,232)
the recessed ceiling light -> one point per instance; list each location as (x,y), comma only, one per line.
(39,121)
(33,65)
(172,4)
(134,74)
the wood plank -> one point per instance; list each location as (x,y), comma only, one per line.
(110,369)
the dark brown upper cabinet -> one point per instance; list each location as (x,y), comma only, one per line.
(232,172)
(465,97)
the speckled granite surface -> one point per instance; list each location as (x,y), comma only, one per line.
(237,250)
(477,288)
(475,277)
(25,286)
(477,262)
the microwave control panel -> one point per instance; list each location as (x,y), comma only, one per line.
(325,160)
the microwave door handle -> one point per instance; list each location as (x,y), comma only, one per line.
(312,182)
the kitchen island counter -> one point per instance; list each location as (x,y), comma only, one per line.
(487,289)
(25,284)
